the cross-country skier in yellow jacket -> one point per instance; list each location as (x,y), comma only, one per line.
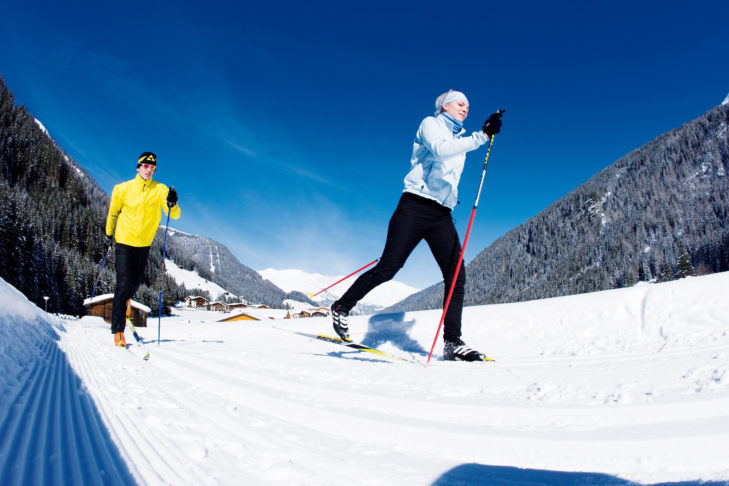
(133,219)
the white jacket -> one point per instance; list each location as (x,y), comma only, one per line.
(438,160)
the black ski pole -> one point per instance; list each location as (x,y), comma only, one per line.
(103,262)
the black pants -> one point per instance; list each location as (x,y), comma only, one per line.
(417,218)
(131,262)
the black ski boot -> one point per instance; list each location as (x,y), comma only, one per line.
(459,351)
(339,322)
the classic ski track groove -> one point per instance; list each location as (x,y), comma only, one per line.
(160,456)
(265,391)
(492,417)
(315,462)
(385,428)
(153,457)
(53,425)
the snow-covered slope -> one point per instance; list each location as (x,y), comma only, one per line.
(383,296)
(192,280)
(604,388)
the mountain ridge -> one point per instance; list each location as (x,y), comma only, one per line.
(293,279)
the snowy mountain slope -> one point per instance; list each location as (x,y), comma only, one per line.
(604,388)
(191,280)
(214,262)
(383,296)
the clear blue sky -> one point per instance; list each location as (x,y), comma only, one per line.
(287,127)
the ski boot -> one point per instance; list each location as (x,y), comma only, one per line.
(119,340)
(459,351)
(339,322)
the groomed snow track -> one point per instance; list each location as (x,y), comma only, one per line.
(51,432)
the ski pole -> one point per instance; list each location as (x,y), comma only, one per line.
(312,295)
(162,280)
(103,262)
(463,249)
(129,322)
(136,335)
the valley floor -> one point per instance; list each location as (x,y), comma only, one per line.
(610,388)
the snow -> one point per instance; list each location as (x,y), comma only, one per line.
(622,386)
(289,280)
(726,100)
(40,125)
(193,281)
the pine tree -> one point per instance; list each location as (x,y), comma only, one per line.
(685,268)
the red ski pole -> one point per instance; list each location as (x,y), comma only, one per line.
(312,295)
(463,249)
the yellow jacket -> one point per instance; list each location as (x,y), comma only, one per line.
(134,211)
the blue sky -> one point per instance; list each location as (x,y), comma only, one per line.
(287,127)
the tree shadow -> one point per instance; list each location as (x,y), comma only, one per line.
(392,328)
(481,475)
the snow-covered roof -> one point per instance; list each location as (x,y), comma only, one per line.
(104,297)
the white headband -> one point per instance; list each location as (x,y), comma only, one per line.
(448,97)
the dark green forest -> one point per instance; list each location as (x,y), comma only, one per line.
(52,216)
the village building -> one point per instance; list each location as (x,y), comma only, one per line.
(101,305)
(218,306)
(315,312)
(320,311)
(241,316)
(196,302)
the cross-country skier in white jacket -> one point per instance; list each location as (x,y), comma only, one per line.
(424,212)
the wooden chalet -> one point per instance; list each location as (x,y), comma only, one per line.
(101,305)
(317,312)
(196,302)
(218,306)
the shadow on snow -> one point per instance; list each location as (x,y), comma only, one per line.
(481,475)
(393,329)
(50,429)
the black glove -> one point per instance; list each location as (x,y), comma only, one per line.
(109,242)
(492,126)
(171,197)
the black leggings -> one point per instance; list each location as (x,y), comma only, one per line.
(130,264)
(417,218)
